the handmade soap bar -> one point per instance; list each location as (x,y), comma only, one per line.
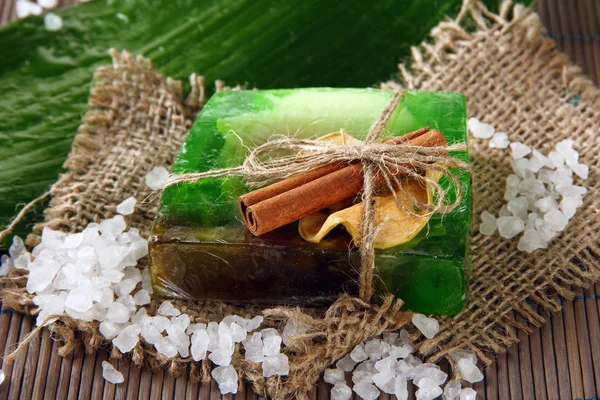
(200,248)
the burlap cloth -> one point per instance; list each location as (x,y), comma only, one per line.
(513,78)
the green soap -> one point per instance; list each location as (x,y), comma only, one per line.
(429,273)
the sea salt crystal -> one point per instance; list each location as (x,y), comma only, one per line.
(387,364)
(499,141)
(480,130)
(253,347)
(468,394)
(452,390)
(429,327)
(157,178)
(227,379)
(521,167)
(557,219)
(53,22)
(110,374)
(542,158)
(519,150)
(109,329)
(333,375)
(290,330)
(385,381)
(458,355)
(428,389)
(113,226)
(125,287)
(141,298)
(562,176)
(401,388)
(571,190)
(167,309)
(531,241)
(220,357)
(366,391)
(199,345)
(504,212)
(6,265)
(140,316)
(373,349)
(469,371)
(16,248)
(25,8)
(118,313)
(401,351)
(193,328)
(557,159)
(364,372)
(22,261)
(518,207)
(254,323)
(430,371)
(127,338)
(565,148)
(581,170)
(42,275)
(346,363)
(359,354)
(488,223)
(569,205)
(276,365)
(149,332)
(126,206)
(166,347)
(341,391)
(48,4)
(509,227)
(546,204)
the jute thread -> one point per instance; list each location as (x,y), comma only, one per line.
(513,78)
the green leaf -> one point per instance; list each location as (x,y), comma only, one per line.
(45,76)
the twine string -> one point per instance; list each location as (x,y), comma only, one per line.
(265,165)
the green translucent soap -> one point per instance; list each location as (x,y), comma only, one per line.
(200,249)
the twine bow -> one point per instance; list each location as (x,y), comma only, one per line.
(388,160)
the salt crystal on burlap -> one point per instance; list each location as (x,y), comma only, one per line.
(111,374)
(333,375)
(341,391)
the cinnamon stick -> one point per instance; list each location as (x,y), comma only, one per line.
(279,204)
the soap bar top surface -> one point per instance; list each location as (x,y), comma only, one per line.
(233,122)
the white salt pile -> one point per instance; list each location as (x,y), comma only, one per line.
(93,276)
(387,364)
(541,196)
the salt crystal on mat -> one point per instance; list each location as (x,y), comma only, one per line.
(149,332)
(126,206)
(531,241)
(220,357)
(452,390)
(53,22)
(253,347)
(333,375)
(118,313)
(457,355)
(41,276)
(401,388)
(17,247)
(519,150)
(167,309)
(401,351)
(430,371)
(254,323)
(488,223)
(140,316)
(388,364)
(141,298)
(127,338)
(373,349)
(193,328)
(6,265)
(237,332)
(341,391)
(429,327)
(469,371)
(157,178)
(385,381)
(509,227)
(227,379)
(346,363)
(428,389)
(111,374)
(480,130)
(366,391)
(125,287)
(109,329)
(199,345)
(359,354)
(499,141)
(468,394)
(166,347)
(364,372)
(276,365)
(22,261)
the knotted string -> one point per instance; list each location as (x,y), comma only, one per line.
(389,160)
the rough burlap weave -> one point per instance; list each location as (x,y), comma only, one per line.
(513,78)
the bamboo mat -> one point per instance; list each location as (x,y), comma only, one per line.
(559,361)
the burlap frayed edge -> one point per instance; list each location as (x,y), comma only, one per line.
(427,59)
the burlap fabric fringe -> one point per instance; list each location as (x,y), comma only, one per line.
(513,78)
